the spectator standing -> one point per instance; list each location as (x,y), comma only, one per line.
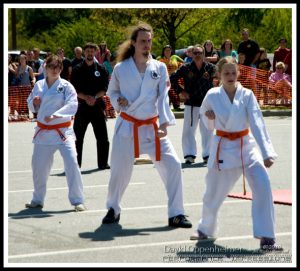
(172,62)
(78,56)
(198,79)
(250,48)
(103,56)
(288,63)
(103,53)
(12,69)
(13,99)
(90,80)
(24,73)
(67,65)
(30,59)
(210,53)
(227,50)
(37,64)
(280,53)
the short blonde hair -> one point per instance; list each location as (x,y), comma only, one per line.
(226,60)
(280,64)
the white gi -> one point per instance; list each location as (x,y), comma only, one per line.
(59,100)
(243,113)
(147,97)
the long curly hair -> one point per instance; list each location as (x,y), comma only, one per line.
(126,49)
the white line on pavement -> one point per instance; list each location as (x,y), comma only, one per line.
(84,250)
(29,171)
(63,188)
(46,213)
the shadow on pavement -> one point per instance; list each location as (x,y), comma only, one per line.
(108,232)
(89,171)
(195,165)
(36,213)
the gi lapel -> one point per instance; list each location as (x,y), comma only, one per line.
(234,111)
(146,86)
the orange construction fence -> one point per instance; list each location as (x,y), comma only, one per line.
(266,93)
(18,109)
(279,94)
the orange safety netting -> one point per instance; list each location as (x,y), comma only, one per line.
(17,103)
(18,109)
(257,80)
(267,93)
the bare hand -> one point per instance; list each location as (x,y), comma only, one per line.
(90,100)
(36,101)
(185,95)
(49,118)
(162,130)
(122,101)
(268,162)
(210,114)
(102,93)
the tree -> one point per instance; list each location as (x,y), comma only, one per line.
(52,28)
(174,24)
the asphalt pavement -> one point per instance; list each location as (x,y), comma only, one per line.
(59,236)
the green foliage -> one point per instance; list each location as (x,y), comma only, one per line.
(49,29)
(37,20)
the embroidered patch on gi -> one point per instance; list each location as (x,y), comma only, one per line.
(60,89)
(155,75)
(220,161)
(206,75)
(97,73)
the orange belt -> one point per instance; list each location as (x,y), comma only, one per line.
(233,136)
(53,127)
(137,123)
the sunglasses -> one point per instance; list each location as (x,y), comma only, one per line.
(197,53)
(53,66)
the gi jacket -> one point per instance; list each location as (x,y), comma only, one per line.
(147,97)
(60,100)
(243,113)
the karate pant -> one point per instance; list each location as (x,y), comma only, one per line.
(42,160)
(190,124)
(220,183)
(122,161)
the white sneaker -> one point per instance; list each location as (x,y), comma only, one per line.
(189,160)
(33,204)
(80,208)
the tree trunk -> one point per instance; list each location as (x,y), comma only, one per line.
(14,28)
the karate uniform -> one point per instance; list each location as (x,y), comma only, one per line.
(59,100)
(147,97)
(243,113)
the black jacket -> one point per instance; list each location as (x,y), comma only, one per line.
(196,82)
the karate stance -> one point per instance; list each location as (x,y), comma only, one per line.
(139,91)
(232,109)
(55,102)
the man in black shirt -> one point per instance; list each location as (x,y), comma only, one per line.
(198,79)
(250,48)
(90,80)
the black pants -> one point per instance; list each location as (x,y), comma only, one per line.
(92,114)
